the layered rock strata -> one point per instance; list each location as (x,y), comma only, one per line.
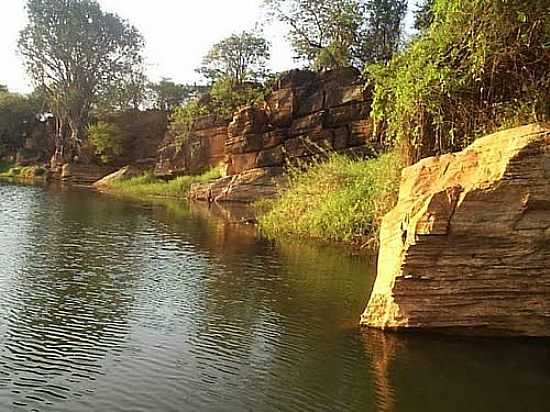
(467,248)
(204,148)
(307,115)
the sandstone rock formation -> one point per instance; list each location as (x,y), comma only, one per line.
(467,248)
(245,187)
(84,174)
(306,115)
(127,172)
(204,148)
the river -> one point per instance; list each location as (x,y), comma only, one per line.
(110,305)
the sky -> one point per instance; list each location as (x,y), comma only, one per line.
(178,34)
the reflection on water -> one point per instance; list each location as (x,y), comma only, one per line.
(107,305)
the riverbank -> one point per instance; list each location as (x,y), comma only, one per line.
(10,171)
(338,200)
(149,186)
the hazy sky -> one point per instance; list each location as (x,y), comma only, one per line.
(178,34)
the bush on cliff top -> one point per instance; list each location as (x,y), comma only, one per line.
(480,66)
(339,200)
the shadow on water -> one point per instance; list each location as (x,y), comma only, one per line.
(106,304)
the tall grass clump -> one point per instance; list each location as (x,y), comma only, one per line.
(150,186)
(341,199)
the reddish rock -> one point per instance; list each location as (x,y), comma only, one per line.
(466,249)
(238,163)
(271,157)
(306,114)
(250,186)
(307,124)
(250,120)
(280,107)
(361,132)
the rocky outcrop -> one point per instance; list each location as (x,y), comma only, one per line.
(467,248)
(306,115)
(204,148)
(245,187)
(127,172)
(83,174)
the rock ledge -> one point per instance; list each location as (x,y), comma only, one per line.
(467,248)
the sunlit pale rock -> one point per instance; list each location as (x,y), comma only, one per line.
(467,248)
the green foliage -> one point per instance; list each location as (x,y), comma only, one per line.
(149,186)
(77,53)
(241,58)
(168,95)
(482,65)
(226,98)
(423,15)
(382,33)
(107,140)
(182,120)
(23,172)
(334,33)
(339,200)
(17,116)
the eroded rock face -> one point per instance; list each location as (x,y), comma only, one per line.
(127,172)
(204,148)
(467,248)
(304,116)
(247,187)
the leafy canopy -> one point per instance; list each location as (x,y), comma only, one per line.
(480,66)
(17,117)
(107,140)
(241,58)
(337,33)
(77,53)
(167,95)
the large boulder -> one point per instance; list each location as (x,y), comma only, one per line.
(125,173)
(467,248)
(248,187)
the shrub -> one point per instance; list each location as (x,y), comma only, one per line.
(480,66)
(340,199)
(107,139)
(182,119)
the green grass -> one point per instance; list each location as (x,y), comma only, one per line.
(339,200)
(22,172)
(150,186)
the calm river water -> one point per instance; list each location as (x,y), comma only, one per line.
(107,305)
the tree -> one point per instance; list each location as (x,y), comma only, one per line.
(128,94)
(336,33)
(384,27)
(3,88)
(77,53)
(107,140)
(168,95)
(241,57)
(423,15)
(17,117)
(483,65)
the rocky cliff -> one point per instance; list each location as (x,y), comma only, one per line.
(467,248)
(204,148)
(305,115)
